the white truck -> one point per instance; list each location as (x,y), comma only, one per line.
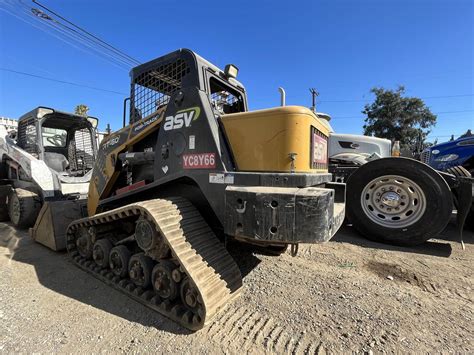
(394,200)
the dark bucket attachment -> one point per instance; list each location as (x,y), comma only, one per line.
(52,222)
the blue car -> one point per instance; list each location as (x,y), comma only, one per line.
(459,152)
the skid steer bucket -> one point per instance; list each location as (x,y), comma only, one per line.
(52,222)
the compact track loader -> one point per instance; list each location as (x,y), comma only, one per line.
(45,168)
(193,168)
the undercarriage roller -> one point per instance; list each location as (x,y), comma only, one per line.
(101,252)
(84,242)
(118,260)
(165,278)
(140,267)
(190,296)
(150,240)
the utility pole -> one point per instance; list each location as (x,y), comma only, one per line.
(314,94)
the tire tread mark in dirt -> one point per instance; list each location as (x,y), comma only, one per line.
(298,344)
(289,345)
(276,346)
(220,324)
(225,327)
(261,334)
(268,339)
(254,329)
(217,324)
(240,323)
(311,348)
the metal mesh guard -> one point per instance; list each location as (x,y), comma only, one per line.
(27,135)
(152,89)
(82,154)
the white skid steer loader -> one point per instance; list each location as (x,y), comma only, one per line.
(45,169)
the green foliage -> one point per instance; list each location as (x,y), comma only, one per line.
(81,110)
(398,118)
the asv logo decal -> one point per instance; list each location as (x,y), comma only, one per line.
(182,118)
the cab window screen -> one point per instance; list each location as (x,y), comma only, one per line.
(54,137)
(225,99)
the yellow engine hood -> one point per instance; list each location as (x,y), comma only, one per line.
(263,140)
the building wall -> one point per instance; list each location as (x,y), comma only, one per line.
(8,123)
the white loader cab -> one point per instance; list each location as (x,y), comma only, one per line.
(48,158)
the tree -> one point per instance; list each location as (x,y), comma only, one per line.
(398,118)
(81,110)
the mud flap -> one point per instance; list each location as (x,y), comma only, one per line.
(464,195)
(52,222)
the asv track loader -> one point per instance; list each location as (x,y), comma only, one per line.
(193,168)
(45,168)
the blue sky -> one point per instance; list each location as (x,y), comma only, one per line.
(343,48)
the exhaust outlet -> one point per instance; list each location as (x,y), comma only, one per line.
(282,96)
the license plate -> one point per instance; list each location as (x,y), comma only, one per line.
(199,161)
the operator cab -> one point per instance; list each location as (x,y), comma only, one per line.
(155,82)
(64,141)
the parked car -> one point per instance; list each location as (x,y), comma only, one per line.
(459,152)
(455,157)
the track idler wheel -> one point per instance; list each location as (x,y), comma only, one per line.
(84,243)
(150,240)
(139,269)
(119,258)
(101,252)
(165,278)
(190,296)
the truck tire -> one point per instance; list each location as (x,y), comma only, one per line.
(398,201)
(23,207)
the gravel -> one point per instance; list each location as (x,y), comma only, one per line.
(348,295)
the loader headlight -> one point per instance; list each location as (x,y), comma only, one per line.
(94,121)
(231,71)
(447,157)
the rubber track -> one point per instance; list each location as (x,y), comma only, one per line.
(201,255)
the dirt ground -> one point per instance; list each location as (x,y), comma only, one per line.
(348,295)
